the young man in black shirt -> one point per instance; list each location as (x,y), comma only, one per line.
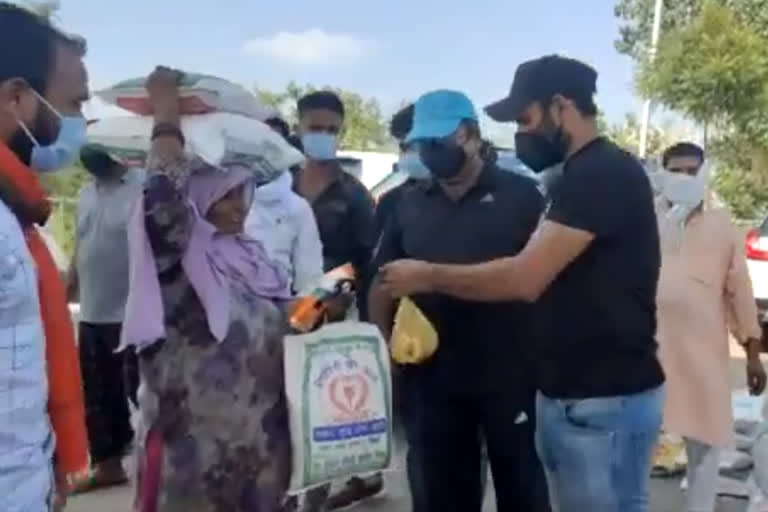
(592,267)
(344,212)
(479,384)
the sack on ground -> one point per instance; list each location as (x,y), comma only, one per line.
(199,94)
(339,391)
(220,139)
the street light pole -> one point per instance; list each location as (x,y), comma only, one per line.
(647,105)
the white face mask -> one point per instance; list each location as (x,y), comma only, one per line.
(683,189)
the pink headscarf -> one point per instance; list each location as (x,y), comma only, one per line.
(212,263)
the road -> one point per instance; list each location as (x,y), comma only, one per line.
(666,498)
(666,494)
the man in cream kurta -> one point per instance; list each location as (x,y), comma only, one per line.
(704,293)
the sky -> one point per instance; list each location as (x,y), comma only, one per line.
(393,50)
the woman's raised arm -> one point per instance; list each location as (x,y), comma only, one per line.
(167,214)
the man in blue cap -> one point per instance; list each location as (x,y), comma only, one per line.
(592,268)
(480,382)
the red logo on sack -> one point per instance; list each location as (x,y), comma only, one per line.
(349,393)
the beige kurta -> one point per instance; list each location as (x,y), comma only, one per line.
(704,291)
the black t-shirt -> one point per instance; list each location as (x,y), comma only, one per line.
(344,214)
(597,321)
(484,347)
(387,204)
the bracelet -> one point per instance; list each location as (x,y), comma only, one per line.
(167,130)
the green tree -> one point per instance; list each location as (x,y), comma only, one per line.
(63,188)
(365,127)
(715,70)
(636,18)
(627,135)
(712,67)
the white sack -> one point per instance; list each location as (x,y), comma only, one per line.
(220,139)
(339,390)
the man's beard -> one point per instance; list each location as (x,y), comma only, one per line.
(22,145)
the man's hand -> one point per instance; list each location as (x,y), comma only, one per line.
(756,378)
(406,277)
(337,307)
(63,489)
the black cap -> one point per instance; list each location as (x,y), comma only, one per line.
(539,80)
(95,157)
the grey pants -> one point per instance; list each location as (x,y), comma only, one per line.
(703,474)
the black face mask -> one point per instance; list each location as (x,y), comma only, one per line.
(443,158)
(541,151)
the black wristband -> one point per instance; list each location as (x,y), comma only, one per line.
(168,130)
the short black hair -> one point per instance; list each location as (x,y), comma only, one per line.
(295,141)
(401,123)
(321,100)
(585,103)
(682,149)
(473,128)
(277,123)
(30,42)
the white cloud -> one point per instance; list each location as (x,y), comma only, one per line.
(314,46)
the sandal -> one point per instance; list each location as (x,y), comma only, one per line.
(95,481)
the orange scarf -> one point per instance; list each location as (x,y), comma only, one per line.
(21,190)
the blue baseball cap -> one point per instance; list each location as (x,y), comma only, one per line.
(438,114)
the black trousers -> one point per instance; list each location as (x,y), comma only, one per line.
(109,380)
(448,430)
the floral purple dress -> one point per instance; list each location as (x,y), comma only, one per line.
(217,408)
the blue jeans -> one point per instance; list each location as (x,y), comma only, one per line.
(597,452)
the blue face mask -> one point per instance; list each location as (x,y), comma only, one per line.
(319,146)
(64,150)
(410,163)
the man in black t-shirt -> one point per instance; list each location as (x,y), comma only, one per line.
(344,210)
(479,384)
(592,268)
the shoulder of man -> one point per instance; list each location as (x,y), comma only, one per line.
(513,179)
(396,193)
(605,156)
(355,190)
(516,187)
(299,207)
(607,168)
(720,215)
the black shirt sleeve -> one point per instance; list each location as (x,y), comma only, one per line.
(534,206)
(384,210)
(592,198)
(364,233)
(390,244)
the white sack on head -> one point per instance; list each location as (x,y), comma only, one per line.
(220,139)
(199,94)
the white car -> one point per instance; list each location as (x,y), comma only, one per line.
(757,262)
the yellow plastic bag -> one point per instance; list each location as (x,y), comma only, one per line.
(414,338)
(669,458)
